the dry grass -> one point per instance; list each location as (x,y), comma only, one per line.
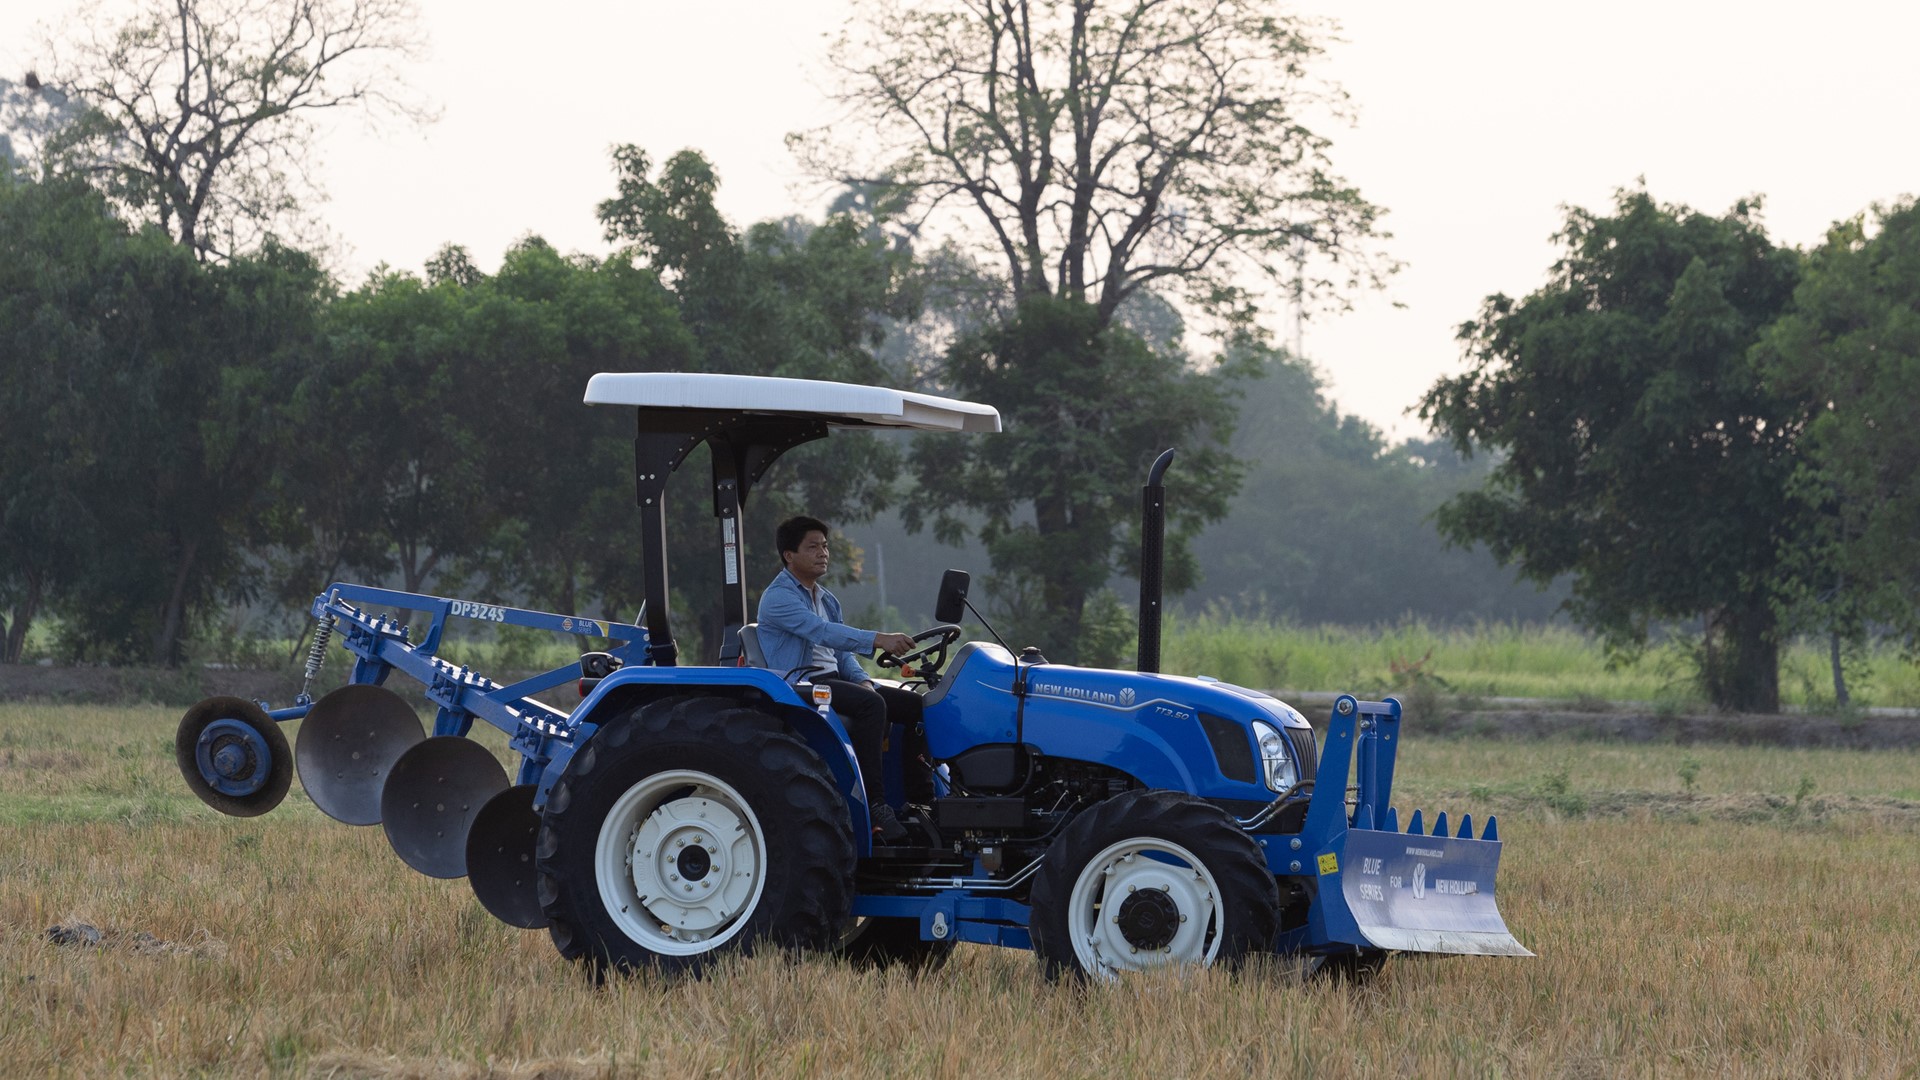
(1704,942)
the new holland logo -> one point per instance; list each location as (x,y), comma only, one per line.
(1126,695)
(1419,881)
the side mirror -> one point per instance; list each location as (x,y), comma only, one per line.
(951,605)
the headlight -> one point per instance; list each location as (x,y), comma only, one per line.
(1275,756)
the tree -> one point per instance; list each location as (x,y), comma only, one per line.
(1335,525)
(31,114)
(789,298)
(1116,156)
(1086,408)
(1109,148)
(143,417)
(200,111)
(1850,349)
(65,264)
(1644,454)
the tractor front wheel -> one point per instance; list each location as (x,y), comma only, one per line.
(1150,878)
(689,828)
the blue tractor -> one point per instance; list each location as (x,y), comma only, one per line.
(1109,820)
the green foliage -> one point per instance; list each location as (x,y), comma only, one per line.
(487,467)
(143,393)
(1333,525)
(1085,408)
(1689,771)
(1555,789)
(1851,349)
(786,298)
(1644,455)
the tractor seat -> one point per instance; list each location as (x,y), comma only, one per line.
(750,645)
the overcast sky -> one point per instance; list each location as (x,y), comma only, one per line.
(1478,121)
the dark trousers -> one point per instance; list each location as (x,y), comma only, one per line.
(867,710)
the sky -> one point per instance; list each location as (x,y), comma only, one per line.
(1477,123)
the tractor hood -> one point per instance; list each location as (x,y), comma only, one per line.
(1172,731)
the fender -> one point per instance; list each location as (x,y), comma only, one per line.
(824,732)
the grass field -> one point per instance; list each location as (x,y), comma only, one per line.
(1497,659)
(1698,911)
(1489,660)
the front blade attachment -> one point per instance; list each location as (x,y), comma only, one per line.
(1416,893)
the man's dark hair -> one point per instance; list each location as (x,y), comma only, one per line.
(793,532)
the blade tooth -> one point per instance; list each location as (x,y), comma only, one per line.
(1493,832)
(1440,823)
(1415,827)
(1466,827)
(1393,819)
(1363,817)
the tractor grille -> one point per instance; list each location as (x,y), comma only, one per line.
(1306,751)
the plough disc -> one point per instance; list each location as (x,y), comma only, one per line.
(1414,893)
(431,797)
(348,744)
(233,756)
(500,858)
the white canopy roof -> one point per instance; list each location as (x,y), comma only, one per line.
(840,404)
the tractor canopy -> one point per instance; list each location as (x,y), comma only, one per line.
(747,421)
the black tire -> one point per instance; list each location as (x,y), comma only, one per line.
(894,943)
(1152,836)
(261,760)
(676,761)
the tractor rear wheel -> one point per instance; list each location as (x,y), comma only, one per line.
(1149,878)
(690,828)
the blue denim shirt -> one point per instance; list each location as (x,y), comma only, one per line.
(789,628)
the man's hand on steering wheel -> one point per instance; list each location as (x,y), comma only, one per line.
(938,639)
(897,644)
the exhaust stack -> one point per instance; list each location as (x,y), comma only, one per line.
(1153,542)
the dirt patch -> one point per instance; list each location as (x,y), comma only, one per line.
(1740,729)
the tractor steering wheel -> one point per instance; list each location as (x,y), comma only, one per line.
(938,638)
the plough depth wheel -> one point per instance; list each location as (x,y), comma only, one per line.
(233,756)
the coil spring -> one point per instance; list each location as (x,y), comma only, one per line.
(317,652)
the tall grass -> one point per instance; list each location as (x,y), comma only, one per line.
(1715,944)
(1492,660)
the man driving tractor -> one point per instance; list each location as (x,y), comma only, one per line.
(805,640)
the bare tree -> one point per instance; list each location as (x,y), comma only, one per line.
(1109,146)
(30,114)
(200,112)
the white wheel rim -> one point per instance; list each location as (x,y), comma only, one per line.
(681,862)
(1134,866)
